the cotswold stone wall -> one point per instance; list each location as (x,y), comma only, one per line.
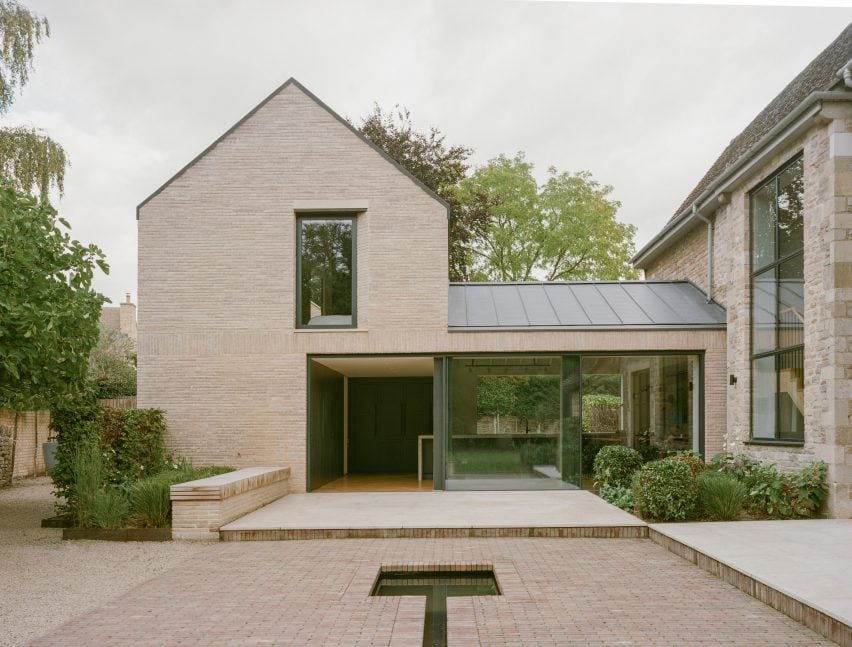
(827,151)
(5,457)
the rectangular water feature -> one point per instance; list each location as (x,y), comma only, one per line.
(436,586)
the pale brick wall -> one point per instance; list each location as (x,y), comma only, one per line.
(218,349)
(200,508)
(828,305)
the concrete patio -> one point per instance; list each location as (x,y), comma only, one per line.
(803,568)
(574,513)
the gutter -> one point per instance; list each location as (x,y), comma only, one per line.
(794,124)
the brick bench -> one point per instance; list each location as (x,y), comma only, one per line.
(200,508)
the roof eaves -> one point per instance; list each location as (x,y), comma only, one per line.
(798,120)
(319,102)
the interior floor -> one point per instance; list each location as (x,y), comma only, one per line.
(377,483)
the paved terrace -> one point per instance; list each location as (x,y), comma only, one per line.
(562,513)
(555,592)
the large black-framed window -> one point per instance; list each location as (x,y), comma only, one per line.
(777,306)
(325,271)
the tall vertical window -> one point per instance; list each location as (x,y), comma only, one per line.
(326,272)
(777,307)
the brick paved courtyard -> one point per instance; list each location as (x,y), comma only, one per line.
(556,592)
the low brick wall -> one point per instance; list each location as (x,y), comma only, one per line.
(200,508)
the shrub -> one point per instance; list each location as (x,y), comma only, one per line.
(86,477)
(150,498)
(648,451)
(665,490)
(737,465)
(787,496)
(589,452)
(692,460)
(108,508)
(150,502)
(720,496)
(621,497)
(134,439)
(614,466)
(73,421)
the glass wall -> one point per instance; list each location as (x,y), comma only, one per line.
(506,419)
(537,421)
(648,402)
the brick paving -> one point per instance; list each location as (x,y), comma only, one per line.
(555,592)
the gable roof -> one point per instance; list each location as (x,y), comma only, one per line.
(587,305)
(813,82)
(292,81)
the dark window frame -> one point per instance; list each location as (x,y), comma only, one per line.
(352,218)
(777,351)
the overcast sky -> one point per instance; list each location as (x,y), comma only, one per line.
(643,96)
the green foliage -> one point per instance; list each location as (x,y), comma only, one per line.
(29,159)
(602,384)
(495,395)
(440,168)
(134,440)
(73,421)
(537,399)
(720,496)
(563,230)
(589,452)
(32,160)
(86,472)
(775,494)
(130,442)
(692,459)
(601,413)
(20,30)
(538,453)
(49,311)
(150,499)
(665,490)
(108,508)
(614,466)
(787,496)
(112,367)
(621,497)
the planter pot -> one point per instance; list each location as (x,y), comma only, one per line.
(49,451)
(122,534)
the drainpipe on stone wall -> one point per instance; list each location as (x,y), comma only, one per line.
(710,229)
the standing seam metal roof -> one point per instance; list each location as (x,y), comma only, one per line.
(582,305)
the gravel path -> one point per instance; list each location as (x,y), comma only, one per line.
(45,581)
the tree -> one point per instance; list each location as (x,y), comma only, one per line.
(112,365)
(563,230)
(49,312)
(440,168)
(28,157)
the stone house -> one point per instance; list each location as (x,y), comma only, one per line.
(295,310)
(767,232)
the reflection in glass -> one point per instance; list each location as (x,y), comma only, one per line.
(505,423)
(791,395)
(790,211)
(763,398)
(646,402)
(764,218)
(326,288)
(764,302)
(791,303)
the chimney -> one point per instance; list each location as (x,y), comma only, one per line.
(127,318)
